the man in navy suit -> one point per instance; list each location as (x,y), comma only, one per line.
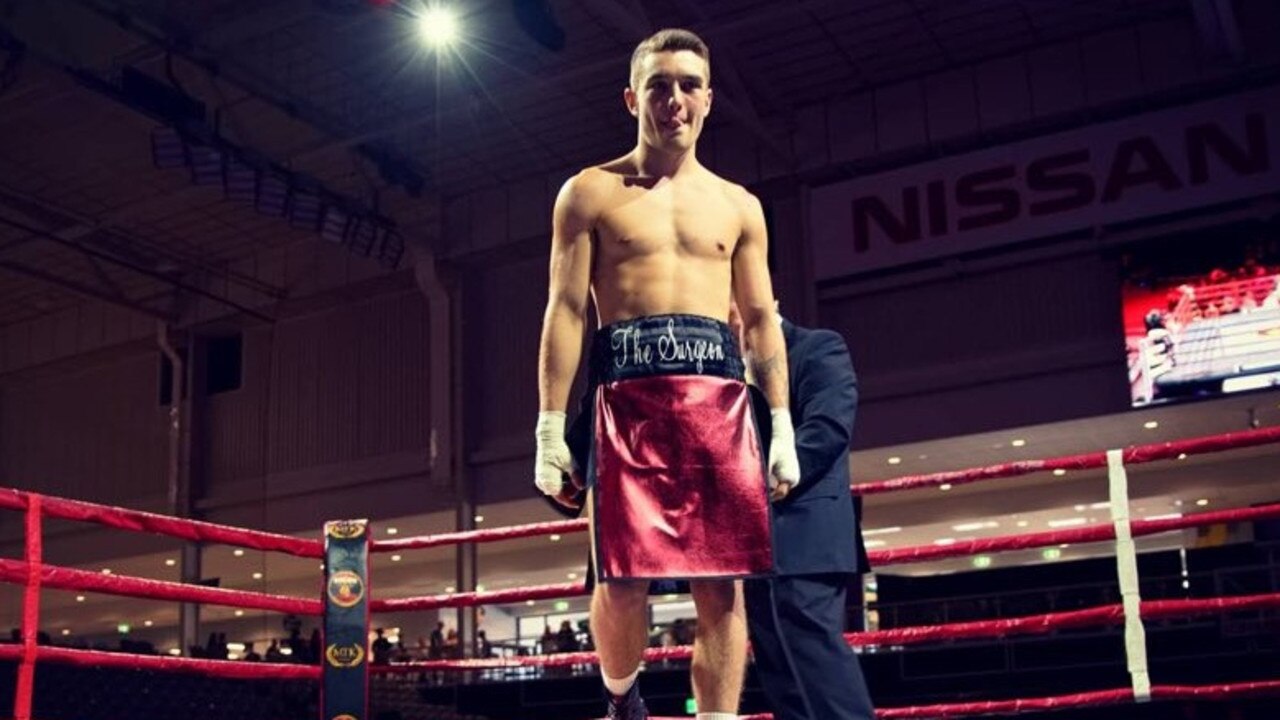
(797,618)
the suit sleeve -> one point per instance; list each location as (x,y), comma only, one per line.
(826,401)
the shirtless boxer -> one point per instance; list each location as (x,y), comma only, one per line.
(678,481)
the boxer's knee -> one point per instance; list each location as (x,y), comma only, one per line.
(716,598)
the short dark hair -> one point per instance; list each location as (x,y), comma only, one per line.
(669,40)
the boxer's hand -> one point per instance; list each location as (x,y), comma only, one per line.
(784,465)
(551,459)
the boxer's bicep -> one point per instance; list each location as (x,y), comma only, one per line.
(569,287)
(753,291)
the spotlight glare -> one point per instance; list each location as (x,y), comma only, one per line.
(437,26)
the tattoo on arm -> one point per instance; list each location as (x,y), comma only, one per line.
(763,367)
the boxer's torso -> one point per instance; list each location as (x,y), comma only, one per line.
(663,245)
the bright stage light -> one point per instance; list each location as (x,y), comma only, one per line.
(437,26)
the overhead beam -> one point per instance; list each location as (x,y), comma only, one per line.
(161,277)
(520,91)
(85,290)
(1219,31)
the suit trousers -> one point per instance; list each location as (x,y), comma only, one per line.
(807,669)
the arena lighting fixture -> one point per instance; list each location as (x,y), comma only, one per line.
(573,576)
(1018,443)
(79,598)
(168,149)
(479,518)
(970,527)
(170,562)
(1023,523)
(1202,502)
(364,233)
(1151,424)
(390,250)
(895,460)
(1182,456)
(1100,506)
(235,646)
(944,487)
(881,531)
(1051,553)
(239,180)
(1059,472)
(1068,522)
(451,589)
(335,227)
(945,541)
(66,631)
(392,531)
(239,613)
(437,26)
(982,561)
(147,623)
(530,603)
(555,538)
(238,552)
(1080,508)
(175,652)
(873,543)
(257,576)
(395,558)
(286,650)
(479,588)
(106,571)
(272,196)
(305,209)
(206,165)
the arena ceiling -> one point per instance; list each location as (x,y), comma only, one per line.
(341,93)
(343,96)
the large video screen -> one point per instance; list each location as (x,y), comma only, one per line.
(1202,313)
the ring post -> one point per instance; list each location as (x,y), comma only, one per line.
(344,685)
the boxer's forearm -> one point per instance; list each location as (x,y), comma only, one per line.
(559,353)
(768,358)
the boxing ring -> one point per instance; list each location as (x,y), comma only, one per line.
(33,574)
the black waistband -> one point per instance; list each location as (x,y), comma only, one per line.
(664,345)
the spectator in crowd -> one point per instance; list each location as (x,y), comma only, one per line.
(381,648)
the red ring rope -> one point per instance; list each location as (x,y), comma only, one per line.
(33,574)
(34,555)
(1135,454)
(184,528)
(1085,699)
(128,586)
(1028,625)
(877,557)
(1096,533)
(213,668)
(1132,455)
(473,599)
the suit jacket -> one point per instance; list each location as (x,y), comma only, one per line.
(816,528)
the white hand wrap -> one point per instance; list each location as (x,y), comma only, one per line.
(784,465)
(551,459)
